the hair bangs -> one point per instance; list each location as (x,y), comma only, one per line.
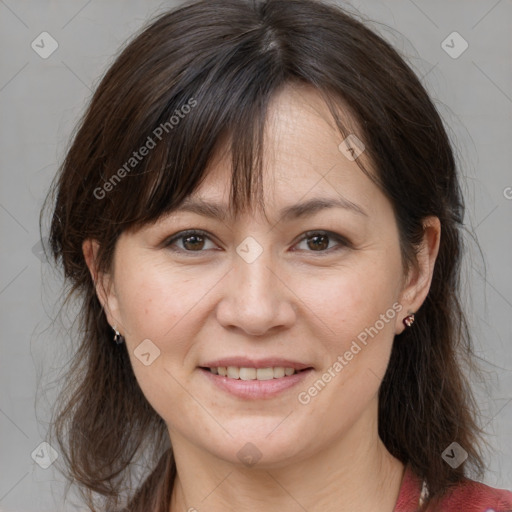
(222,110)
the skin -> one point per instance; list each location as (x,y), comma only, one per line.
(295,301)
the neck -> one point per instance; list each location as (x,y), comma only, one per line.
(354,472)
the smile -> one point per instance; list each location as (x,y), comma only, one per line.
(245,373)
(251,383)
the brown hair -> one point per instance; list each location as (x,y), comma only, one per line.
(224,59)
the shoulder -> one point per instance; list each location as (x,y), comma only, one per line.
(471,496)
(466,496)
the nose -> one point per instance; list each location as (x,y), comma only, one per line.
(256,299)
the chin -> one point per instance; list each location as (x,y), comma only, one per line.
(259,446)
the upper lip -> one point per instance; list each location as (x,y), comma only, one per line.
(246,362)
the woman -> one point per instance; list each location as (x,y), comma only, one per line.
(261,214)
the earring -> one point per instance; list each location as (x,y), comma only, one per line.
(118,338)
(409,320)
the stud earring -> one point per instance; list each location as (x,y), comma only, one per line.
(409,320)
(118,338)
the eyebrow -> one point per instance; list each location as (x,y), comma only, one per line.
(310,207)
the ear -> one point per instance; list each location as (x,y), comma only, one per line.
(419,278)
(103,283)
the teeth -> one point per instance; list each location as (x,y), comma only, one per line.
(234,372)
(246,373)
(279,372)
(265,373)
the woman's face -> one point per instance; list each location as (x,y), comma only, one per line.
(256,292)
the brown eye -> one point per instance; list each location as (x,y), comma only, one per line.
(194,241)
(318,241)
(191,241)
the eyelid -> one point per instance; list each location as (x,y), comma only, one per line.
(342,241)
(182,234)
(335,236)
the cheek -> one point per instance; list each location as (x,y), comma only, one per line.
(154,298)
(156,303)
(347,301)
(358,309)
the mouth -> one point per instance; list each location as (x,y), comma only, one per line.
(248,379)
(251,373)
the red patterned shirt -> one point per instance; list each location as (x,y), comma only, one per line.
(467,496)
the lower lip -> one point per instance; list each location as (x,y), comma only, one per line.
(256,389)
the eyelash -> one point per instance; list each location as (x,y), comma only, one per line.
(308,234)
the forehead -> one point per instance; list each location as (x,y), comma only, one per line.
(302,163)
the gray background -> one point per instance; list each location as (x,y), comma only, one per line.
(41,100)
